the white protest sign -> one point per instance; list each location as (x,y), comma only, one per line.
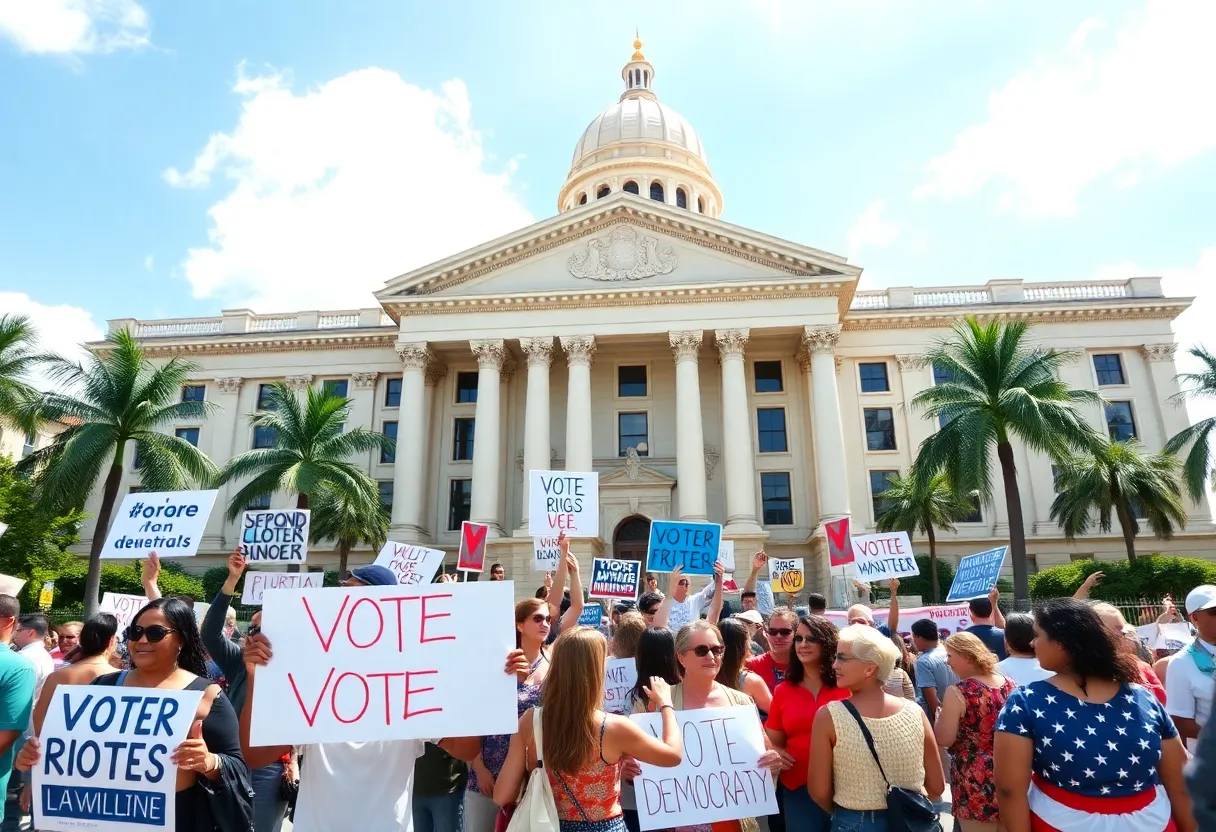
(10,585)
(379,663)
(880,557)
(546,554)
(950,618)
(105,758)
(169,523)
(726,554)
(275,535)
(122,607)
(719,778)
(257,583)
(620,677)
(411,564)
(563,501)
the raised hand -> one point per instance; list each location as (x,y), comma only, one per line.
(236,565)
(719,573)
(151,569)
(256,650)
(673,578)
(758,561)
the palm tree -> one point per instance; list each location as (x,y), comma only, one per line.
(1117,478)
(995,387)
(1197,467)
(17,358)
(913,505)
(114,397)
(335,516)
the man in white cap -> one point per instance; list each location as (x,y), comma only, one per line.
(1189,683)
(754,622)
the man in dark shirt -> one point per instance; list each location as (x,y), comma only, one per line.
(988,625)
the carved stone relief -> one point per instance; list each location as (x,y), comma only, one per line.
(621,255)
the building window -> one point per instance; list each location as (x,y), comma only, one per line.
(656,191)
(770,428)
(700,205)
(631,187)
(466,388)
(603,192)
(631,382)
(941,375)
(880,429)
(189,434)
(768,377)
(462,439)
(385,487)
(28,445)
(874,377)
(265,402)
(263,437)
(582,200)
(880,481)
(460,499)
(392,393)
(775,497)
(138,460)
(1109,369)
(681,198)
(633,432)
(1055,478)
(335,387)
(977,510)
(389,457)
(1120,421)
(259,503)
(194,392)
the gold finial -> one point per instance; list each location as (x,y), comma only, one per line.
(637,47)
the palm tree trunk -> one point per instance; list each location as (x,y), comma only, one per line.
(1128,527)
(1017,529)
(92,582)
(937,589)
(301,502)
(343,555)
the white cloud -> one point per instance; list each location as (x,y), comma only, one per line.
(67,27)
(149,262)
(337,189)
(872,230)
(61,329)
(1093,111)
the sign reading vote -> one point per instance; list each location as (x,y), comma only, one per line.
(275,536)
(123,607)
(691,545)
(880,557)
(169,523)
(386,663)
(563,501)
(256,584)
(412,565)
(105,757)
(615,578)
(719,778)
(977,575)
(620,677)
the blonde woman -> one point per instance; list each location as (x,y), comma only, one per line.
(967,728)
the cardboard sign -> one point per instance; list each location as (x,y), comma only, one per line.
(170,523)
(122,607)
(275,536)
(726,555)
(719,778)
(620,677)
(840,542)
(786,574)
(563,501)
(373,663)
(977,575)
(546,554)
(949,619)
(472,555)
(412,565)
(591,616)
(880,557)
(692,545)
(46,596)
(105,758)
(257,583)
(615,578)
(10,585)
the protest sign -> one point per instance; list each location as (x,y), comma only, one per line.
(591,616)
(46,596)
(786,574)
(880,557)
(376,663)
(10,585)
(275,535)
(726,555)
(1169,638)
(977,575)
(615,578)
(169,523)
(692,545)
(411,564)
(620,677)
(840,542)
(949,619)
(105,758)
(563,501)
(718,779)
(546,554)
(472,554)
(257,583)
(122,607)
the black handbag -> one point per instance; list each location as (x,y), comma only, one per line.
(907,810)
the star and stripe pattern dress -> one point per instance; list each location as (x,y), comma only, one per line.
(1095,764)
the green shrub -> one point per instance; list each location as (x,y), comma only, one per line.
(121,578)
(1151,576)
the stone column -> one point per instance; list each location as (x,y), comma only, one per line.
(218,437)
(831,468)
(409,469)
(433,495)
(579,451)
(1174,419)
(487,431)
(738,458)
(690,436)
(539,352)
(914,376)
(362,395)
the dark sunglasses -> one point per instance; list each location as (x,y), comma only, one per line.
(807,639)
(541,618)
(155,633)
(703,650)
(780,632)
(685,583)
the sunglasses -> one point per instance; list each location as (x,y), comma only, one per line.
(780,632)
(155,633)
(685,583)
(541,618)
(806,639)
(703,650)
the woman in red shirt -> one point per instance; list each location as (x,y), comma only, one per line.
(810,683)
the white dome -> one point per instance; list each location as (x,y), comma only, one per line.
(638,119)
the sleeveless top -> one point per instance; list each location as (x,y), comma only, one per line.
(593,793)
(900,742)
(494,747)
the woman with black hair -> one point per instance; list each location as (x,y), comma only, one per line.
(736,638)
(656,656)
(1089,747)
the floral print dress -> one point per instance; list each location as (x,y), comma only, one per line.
(972,784)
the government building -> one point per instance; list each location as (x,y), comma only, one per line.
(706,371)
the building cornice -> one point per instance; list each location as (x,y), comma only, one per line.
(938,317)
(245,344)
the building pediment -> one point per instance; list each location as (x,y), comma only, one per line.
(634,476)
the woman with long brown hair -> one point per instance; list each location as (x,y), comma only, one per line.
(581,744)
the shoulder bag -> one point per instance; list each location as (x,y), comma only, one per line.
(907,810)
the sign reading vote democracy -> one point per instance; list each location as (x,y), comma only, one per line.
(620,677)
(691,545)
(880,557)
(563,501)
(275,535)
(257,583)
(386,663)
(719,778)
(977,575)
(615,578)
(412,565)
(169,523)
(105,757)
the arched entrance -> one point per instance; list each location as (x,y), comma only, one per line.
(631,539)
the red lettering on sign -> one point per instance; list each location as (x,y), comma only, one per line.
(388,714)
(379,625)
(410,691)
(367,698)
(427,616)
(398,599)
(333,631)
(311,717)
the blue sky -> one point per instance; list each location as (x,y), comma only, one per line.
(163,158)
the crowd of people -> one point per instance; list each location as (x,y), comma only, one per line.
(1056,720)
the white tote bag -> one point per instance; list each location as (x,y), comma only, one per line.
(537,811)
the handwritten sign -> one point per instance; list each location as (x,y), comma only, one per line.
(105,758)
(692,545)
(620,677)
(386,663)
(546,554)
(615,578)
(786,574)
(412,565)
(726,555)
(257,583)
(840,542)
(275,536)
(122,607)
(949,619)
(719,778)
(169,523)
(472,554)
(591,616)
(977,575)
(563,501)
(880,557)
(1169,638)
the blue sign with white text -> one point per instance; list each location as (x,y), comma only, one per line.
(977,575)
(691,545)
(591,616)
